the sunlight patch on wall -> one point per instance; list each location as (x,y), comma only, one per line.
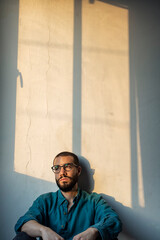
(44,92)
(44,107)
(105,98)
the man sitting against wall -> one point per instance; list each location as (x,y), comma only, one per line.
(70,213)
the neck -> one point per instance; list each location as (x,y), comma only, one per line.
(71,194)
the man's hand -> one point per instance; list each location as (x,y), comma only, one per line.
(34,229)
(89,234)
(49,234)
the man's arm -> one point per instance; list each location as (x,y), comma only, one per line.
(106,220)
(35,229)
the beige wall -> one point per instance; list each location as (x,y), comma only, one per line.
(44,102)
(105,97)
(85,79)
(45,98)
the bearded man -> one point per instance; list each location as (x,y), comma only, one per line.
(70,213)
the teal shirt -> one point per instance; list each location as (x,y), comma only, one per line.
(88,210)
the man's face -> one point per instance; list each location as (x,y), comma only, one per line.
(66,181)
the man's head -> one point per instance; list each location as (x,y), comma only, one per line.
(67,170)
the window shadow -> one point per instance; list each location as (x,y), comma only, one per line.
(144,35)
(144,131)
(77,77)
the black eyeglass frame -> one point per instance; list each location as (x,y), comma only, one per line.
(64,167)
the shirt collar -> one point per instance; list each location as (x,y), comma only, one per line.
(62,199)
(77,196)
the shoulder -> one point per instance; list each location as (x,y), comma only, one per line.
(47,198)
(48,195)
(93,197)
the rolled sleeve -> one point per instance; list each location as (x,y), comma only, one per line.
(106,220)
(35,212)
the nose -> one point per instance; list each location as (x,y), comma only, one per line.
(62,171)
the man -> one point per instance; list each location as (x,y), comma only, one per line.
(70,213)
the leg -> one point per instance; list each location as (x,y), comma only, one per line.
(23,236)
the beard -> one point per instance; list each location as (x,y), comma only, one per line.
(67,187)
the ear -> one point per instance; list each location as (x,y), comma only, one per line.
(79,170)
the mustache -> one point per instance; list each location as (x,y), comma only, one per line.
(63,177)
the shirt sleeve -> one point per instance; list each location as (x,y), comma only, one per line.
(35,212)
(106,220)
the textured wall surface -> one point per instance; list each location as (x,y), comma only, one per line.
(81,76)
(45,97)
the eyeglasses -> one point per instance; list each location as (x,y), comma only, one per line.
(67,167)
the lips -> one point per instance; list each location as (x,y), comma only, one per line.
(63,179)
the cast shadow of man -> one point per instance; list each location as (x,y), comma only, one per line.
(86,180)
(135,226)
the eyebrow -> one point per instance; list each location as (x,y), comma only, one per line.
(63,164)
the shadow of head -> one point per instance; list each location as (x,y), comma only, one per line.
(86,180)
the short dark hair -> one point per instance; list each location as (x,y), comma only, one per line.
(64,154)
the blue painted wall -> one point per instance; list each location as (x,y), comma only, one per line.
(18,191)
